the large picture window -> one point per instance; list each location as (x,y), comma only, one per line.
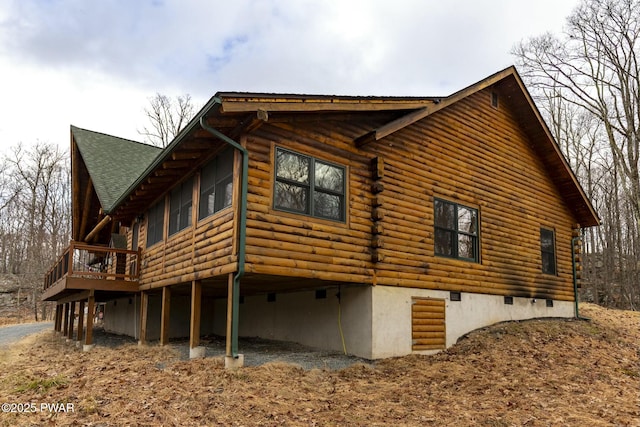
(216,184)
(309,186)
(155,223)
(181,207)
(548,250)
(456,231)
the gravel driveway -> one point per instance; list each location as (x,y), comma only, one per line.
(12,333)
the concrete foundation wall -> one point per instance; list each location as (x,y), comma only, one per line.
(392,315)
(300,317)
(122,316)
(374,321)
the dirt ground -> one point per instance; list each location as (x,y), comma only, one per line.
(534,373)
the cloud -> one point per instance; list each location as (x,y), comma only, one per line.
(95,63)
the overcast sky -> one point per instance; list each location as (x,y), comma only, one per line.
(95,63)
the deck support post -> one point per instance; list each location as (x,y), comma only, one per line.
(164,318)
(60,314)
(72,318)
(65,326)
(144,310)
(195,350)
(56,318)
(80,322)
(88,337)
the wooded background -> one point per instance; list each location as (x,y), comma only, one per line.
(586,82)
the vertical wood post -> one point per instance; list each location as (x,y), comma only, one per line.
(57,317)
(72,318)
(65,327)
(196,304)
(164,318)
(81,321)
(144,309)
(88,338)
(60,316)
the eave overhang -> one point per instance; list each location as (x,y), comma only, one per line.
(235,113)
(508,83)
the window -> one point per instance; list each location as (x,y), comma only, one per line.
(133,260)
(309,186)
(216,184)
(181,207)
(494,99)
(548,250)
(155,223)
(456,231)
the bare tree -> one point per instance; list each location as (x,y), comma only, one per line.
(167,116)
(35,220)
(587,81)
(595,67)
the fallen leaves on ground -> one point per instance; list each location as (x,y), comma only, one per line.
(532,373)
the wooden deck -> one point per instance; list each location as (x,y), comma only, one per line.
(83,267)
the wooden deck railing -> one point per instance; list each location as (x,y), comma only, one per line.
(94,262)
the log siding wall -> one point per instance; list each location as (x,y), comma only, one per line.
(474,154)
(200,251)
(289,244)
(469,153)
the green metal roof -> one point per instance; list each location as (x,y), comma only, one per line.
(113,163)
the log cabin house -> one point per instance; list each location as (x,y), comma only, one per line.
(378,226)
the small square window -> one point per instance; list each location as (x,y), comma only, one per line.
(271,297)
(508,300)
(321,293)
(455,296)
(549,303)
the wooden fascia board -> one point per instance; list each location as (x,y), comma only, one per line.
(410,118)
(75,189)
(301,105)
(53,290)
(101,284)
(78,296)
(86,211)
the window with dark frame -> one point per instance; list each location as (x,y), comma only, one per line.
(494,99)
(155,223)
(309,186)
(135,233)
(216,184)
(181,207)
(456,231)
(548,251)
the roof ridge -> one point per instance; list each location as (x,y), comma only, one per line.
(117,137)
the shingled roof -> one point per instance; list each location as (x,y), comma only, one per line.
(113,163)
